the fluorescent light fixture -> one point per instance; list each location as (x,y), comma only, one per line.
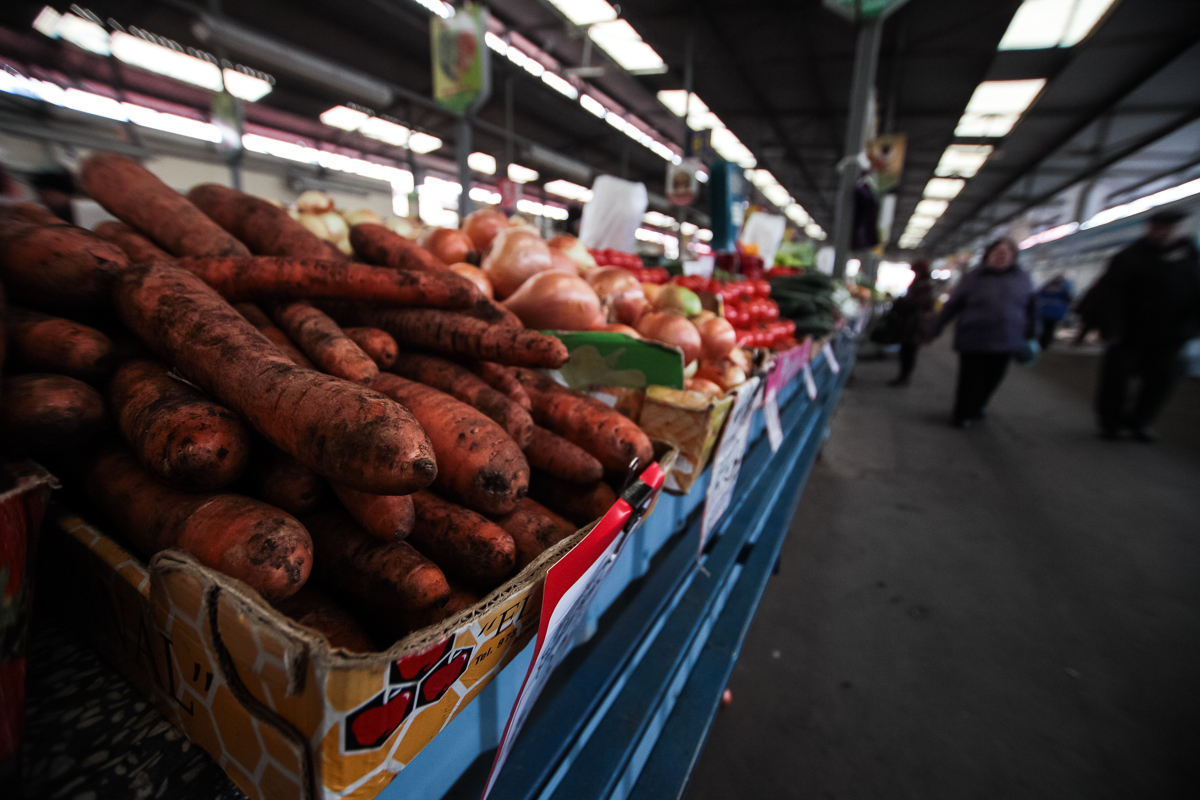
(560,84)
(659,220)
(777,195)
(622,43)
(944,188)
(386,131)
(688,228)
(165,61)
(1144,203)
(996,106)
(1048,235)
(96,104)
(172,123)
(496,43)
(962,160)
(482,162)
(585,12)
(1042,24)
(541,210)
(348,119)
(245,87)
(571,191)
(519,174)
(423,142)
(796,213)
(704,235)
(814,231)
(437,7)
(730,148)
(46,22)
(481,194)
(921,222)
(932,208)
(593,105)
(78,31)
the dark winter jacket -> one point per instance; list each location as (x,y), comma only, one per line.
(996,311)
(1149,296)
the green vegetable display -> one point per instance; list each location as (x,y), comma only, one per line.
(808,300)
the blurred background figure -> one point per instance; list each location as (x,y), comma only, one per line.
(913,313)
(1054,301)
(1147,304)
(997,318)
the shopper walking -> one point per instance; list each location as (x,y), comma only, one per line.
(997,320)
(1054,301)
(1149,305)
(913,311)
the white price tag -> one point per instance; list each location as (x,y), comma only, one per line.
(728,460)
(810,385)
(771,418)
(834,366)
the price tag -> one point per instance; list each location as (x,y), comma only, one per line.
(571,585)
(771,418)
(810,385)
(728,460)
(834,366)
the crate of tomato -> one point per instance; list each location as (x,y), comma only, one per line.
(632,263)
(748,307)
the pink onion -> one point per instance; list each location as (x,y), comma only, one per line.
(673,330)
(556,301)
(517,253)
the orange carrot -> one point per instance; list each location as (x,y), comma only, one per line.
(178,434)
(391,578)
(324,342)
(478,465)
(265,228)
(379,345)
(41,343)
(344,431)
(248,540)
(284,482)
(44,414)
(580,504)
(461,335)
(268,276)
(378,244)
(461,542)
(385,517)
(314,609)
(458,381)
(30,214)
(136,196)
(534,528)
(136,246)
(555,455)
(57,267)
(256,317)
(502,379)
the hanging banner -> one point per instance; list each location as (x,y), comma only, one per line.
(682,183)
(886,154)
(571,585)
(462,74)
(727,462)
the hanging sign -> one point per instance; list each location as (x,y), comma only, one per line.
(570,587)
(462,75)
(682,183)
(727,462)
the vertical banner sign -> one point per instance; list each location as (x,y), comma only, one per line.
(571,585)
(728,460)
(462,75)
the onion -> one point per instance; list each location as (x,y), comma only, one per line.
(316,225)
(403,226)
(718,338)
(575,251)
(622,290)
(360,215)
(516,254)
(314,202)
(738,356)
(475,275)
(616,327)
(556,301)
(482,226)
(562,262)
(725,373)
(651,291)
(448,244)
(673,330)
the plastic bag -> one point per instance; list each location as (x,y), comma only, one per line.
(613,214)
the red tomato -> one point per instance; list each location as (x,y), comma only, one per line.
(745,338)
(762,288)
(772,310)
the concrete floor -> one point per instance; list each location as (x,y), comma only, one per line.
(1011,611)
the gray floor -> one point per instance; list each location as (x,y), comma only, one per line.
(1011,611)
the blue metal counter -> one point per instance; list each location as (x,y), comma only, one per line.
(627,713)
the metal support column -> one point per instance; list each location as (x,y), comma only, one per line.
(462,145)
(866,59)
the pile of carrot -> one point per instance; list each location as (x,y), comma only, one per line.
(190,362)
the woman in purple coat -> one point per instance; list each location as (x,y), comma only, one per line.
(997,315)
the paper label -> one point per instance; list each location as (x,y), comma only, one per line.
(771,418)
(728,460)
(571,586)
(810,385)
(834,366)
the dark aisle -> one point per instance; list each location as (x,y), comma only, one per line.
(1011,611)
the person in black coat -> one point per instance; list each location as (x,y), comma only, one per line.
(913,313)
(1147,304)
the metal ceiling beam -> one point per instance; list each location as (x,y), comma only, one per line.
(1095,112)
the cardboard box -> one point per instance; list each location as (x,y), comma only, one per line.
(689,421)
(282,713)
